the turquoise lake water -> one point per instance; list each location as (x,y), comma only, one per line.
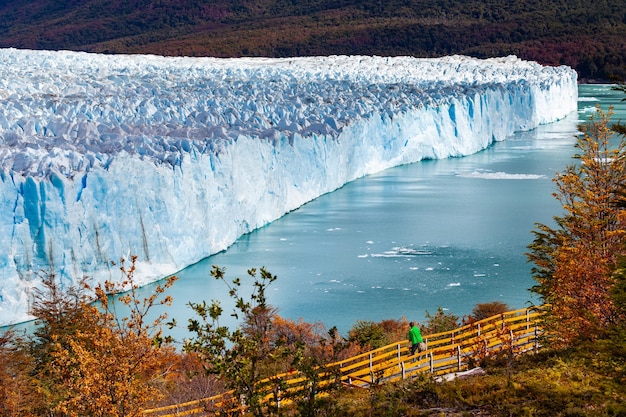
(439,233)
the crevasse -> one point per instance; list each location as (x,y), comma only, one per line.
(172,159)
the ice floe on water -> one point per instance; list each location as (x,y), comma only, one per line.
(500,175)
(401,252)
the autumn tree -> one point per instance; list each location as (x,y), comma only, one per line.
(312,350)
(321,345)
(92,361)
(189,382)
(575,258)
(60,314)
(19,395)
(237,355)
(485,310)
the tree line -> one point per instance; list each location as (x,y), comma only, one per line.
(589,38)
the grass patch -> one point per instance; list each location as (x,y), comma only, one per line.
(589,380)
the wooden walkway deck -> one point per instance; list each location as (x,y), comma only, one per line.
(448,353)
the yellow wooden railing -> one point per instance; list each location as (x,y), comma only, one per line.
(447,353)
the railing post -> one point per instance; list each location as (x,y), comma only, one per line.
(458,357)
(371,369)
(431,362)
(278,398)
(399,360)
(527,319)
(536,338)
(403,370)
(478,324)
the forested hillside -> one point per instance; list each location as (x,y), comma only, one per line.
(589,36)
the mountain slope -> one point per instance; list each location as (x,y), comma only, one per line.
(588,37)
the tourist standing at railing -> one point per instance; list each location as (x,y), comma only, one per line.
(415,337)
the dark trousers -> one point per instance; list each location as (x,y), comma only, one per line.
(414,348)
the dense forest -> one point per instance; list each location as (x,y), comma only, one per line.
(590,37)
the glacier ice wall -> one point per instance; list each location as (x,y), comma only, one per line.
(172,159)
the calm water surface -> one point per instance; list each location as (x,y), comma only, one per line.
(445,233)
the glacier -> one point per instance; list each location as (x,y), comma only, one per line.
(172,159)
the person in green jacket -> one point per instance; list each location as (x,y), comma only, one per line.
(415,337)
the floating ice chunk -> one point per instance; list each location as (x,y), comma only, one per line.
(501,176)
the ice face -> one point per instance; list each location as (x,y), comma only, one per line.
(172,159)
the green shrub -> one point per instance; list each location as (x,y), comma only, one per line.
(368,334)
(440,322)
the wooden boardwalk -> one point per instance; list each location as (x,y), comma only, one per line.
(451,352)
